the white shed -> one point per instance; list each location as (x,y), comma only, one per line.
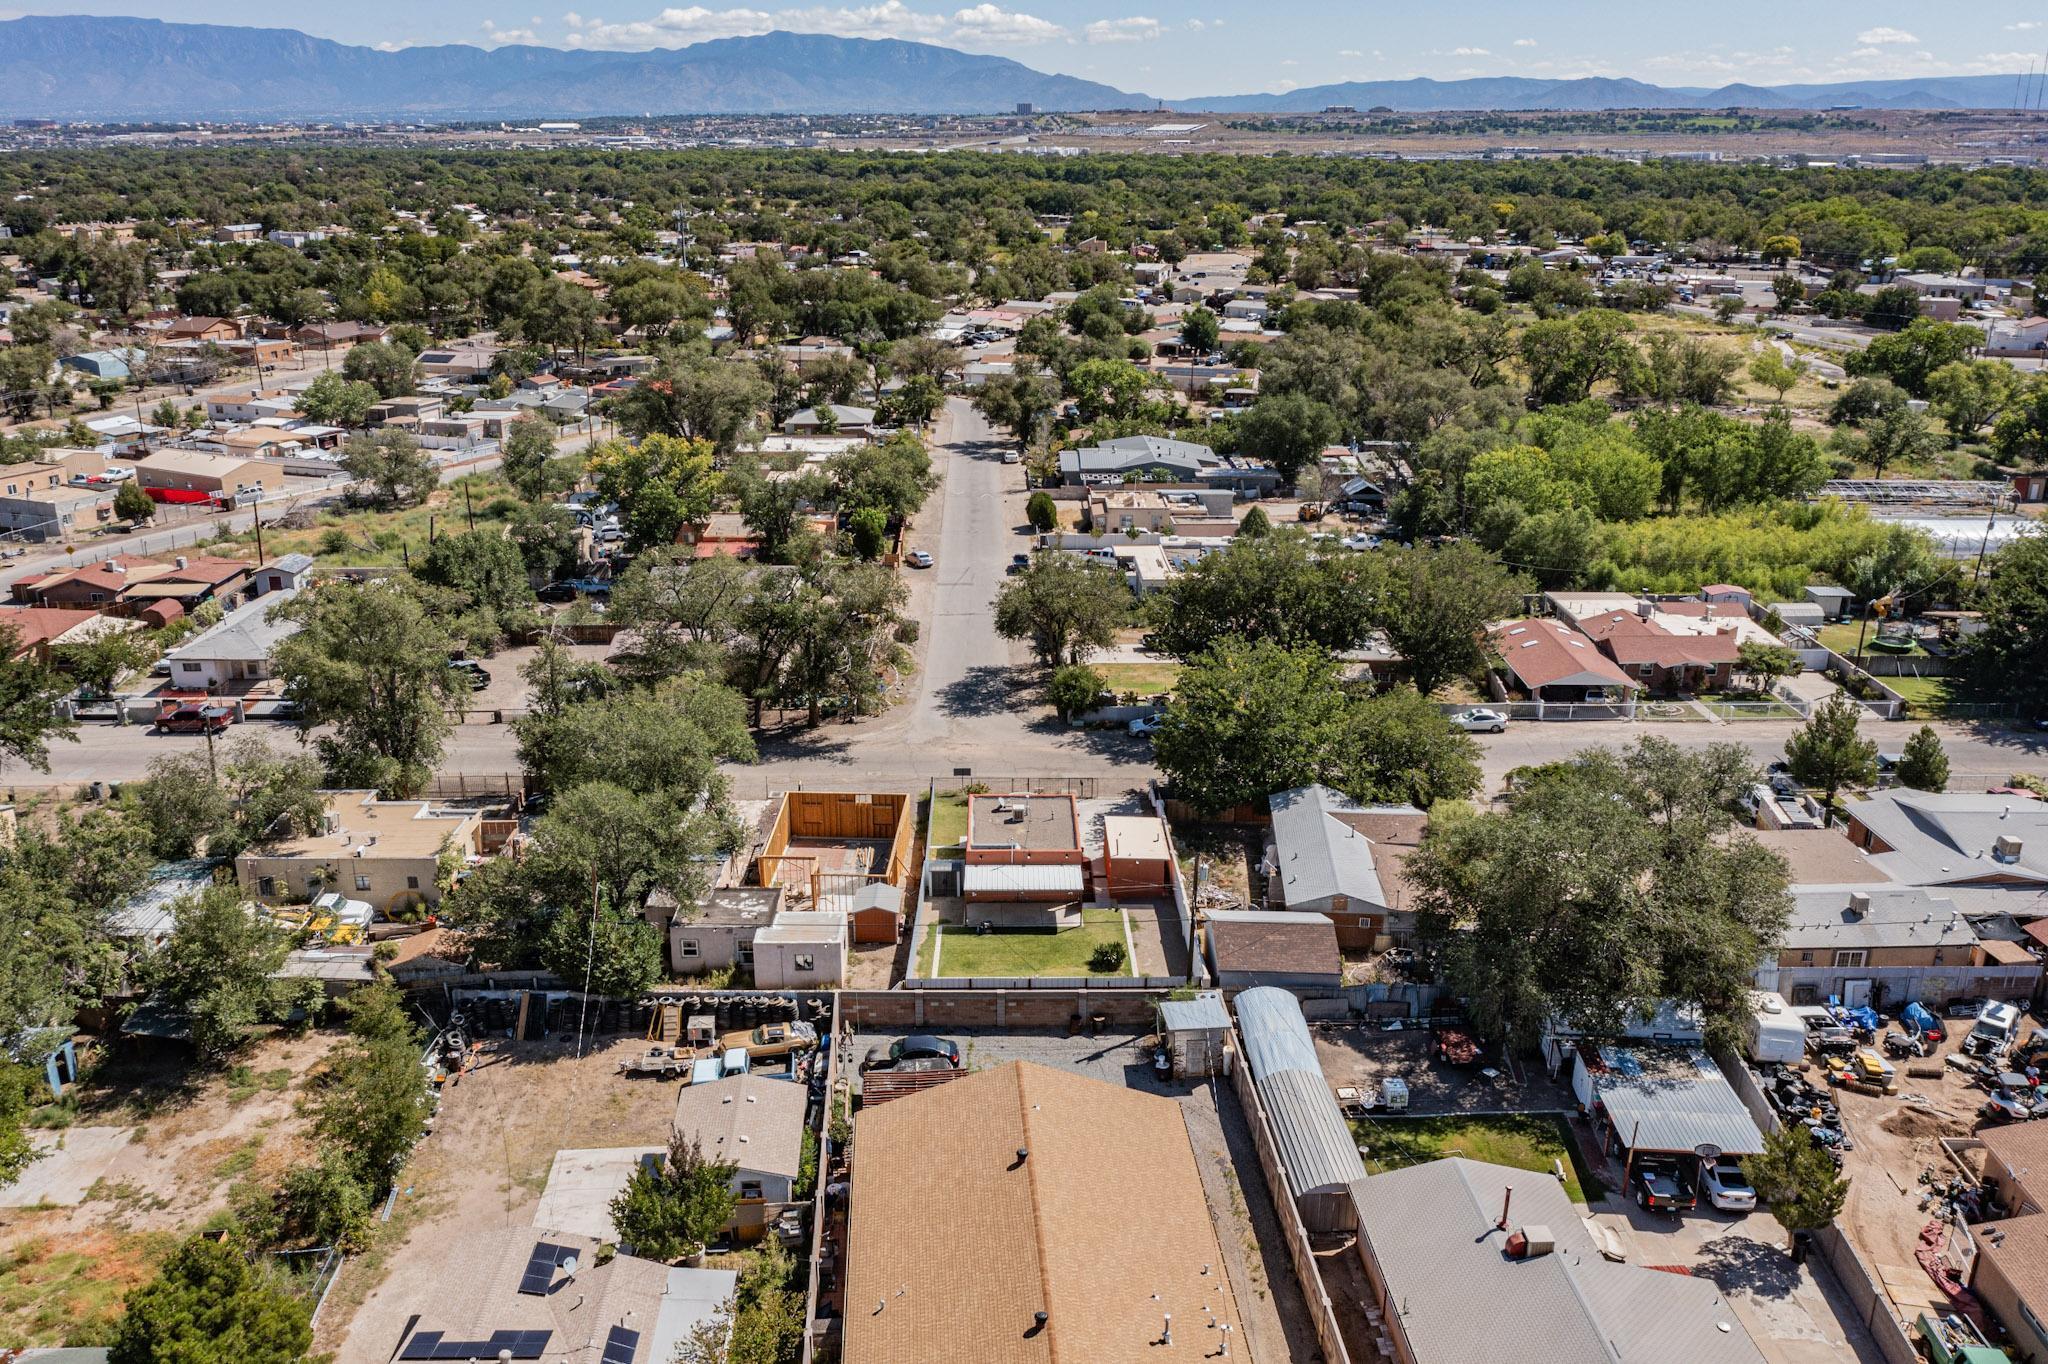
(801,950)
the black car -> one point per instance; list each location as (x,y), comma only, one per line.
(473,671)
(1658,1187)
(918,1047)
(1019,562)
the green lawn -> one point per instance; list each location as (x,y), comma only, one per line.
(949,823)
(1528,1141)
(1021,953)
(1927,697)
(1146,679)
(1842,636)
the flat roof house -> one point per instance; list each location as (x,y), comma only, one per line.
(1884,945)
(718,931)
(1330,855)
(199,476)
(38,503)
(1023,848)
(1450,1283)
(757,1123)
(1056,1217)
(389,852)
(801,950)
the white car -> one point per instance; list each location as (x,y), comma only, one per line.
(1361,541)
(1726,1187)
(1012,457)
(917,558)
(1147,724)
(1481,721)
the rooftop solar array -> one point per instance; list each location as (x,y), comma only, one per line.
(540,1269)
(620,1345)
(436,1345)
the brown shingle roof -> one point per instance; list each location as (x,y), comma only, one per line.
(2023,1149)
(959,1242)
(2019,1247)
(1279,942)
(1542,652)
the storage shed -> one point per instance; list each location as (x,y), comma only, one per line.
(876,913)
(1317,1151)
(1194,1031)
(1137,859)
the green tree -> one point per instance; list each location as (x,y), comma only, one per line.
(1911,357)
(1565,357)
(1275,587)
(869,529)
(1019,402)
(1041,511)
(1073,689)
(1066,607)
(1799,1179)
(1609,885)
(894,475)
(1924,765)
(373,1103)
(100,662)
(391,462)
(1773,371)
(1287,430)
(217,968)
(1765,662)
(29,692)
(1249,719)
(1828,753)
(663,739)
(694,398)
(1789,290)
(1436,605)
(661,484)
(368,666)
(674,1211)
(1199,329)
(2009,657)
(17,1083)
(530,464)
(1256,524)
(1894,308)
(389,368)
(133,504)
(337,401)
(210,1305)
(1397,746)
(1968,395)
(485,567)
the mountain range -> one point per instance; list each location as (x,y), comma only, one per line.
(88,67)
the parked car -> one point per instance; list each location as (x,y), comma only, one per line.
(1727,1187)
(770,1040)
(1481,721)
(1012,457)
(1361,541)
(918,558)
(1657,1188)
(1018,563)
(918,1046)
(196,719)
(1147,724)
(473,673)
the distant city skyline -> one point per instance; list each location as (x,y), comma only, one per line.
(1214,49)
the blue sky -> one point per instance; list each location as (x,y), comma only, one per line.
(1182,49)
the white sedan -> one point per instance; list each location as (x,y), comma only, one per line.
(1147,724)
(1726,1187)
(1481,721)
(917,558)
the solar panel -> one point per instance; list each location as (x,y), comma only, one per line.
(540,1268)
(620,1345)
(529,1344)
(422,1345)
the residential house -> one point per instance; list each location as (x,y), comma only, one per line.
(286,573)
(1662,659)
(39,503)
(238,650)
(200,476)
(253,442)
(31,632)
(1930,286)
(1885,945)
(239,232)
(462,364)
(756,1123)
(548,1296)
(1137,858)
(1205,513)
(1327,854)
(1554,664)
(2009,1272)
(1139,459)
(854,421)
(202,329)
(2017,337)
(326,335)
(1023,848)
(1954,839)
(801,950)
(250,404)
(1074,1225)
(1247,948)
(1466,1260)
(126,584)
(407,411)
(719,930)
(390,852)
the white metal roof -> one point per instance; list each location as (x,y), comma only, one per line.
(983,878)
(1666,1099)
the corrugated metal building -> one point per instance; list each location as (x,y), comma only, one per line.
(1663,1100)
(1317,1150)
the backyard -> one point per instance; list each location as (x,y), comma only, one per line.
(960,950)
(1842,637)
(1146,679)
(1525,1141)
(948,824)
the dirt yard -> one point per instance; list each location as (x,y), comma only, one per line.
(480,1173)
(126,1178)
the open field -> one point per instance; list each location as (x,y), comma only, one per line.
(1526,1141)
(961,951)
(380,538)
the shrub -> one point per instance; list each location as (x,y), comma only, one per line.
(1041,511)
(1107,958)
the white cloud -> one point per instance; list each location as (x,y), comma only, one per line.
(981,25)
(1136,29)
(388,46)
(1470,52)
(1350,52)
(499,37)
(1871,37)
(2023,26)
(1525,42)
(988,23)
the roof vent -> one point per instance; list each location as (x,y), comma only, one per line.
(1530,1242)
(2007,848)
(1859,903)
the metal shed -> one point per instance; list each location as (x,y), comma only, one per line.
(1317,1150)
(1193,1031)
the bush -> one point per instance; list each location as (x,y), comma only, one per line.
(1107,959)
(1072,690)
(1041,511)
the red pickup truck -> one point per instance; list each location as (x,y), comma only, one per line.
(196,719)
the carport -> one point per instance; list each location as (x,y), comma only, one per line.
(1662,1101)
